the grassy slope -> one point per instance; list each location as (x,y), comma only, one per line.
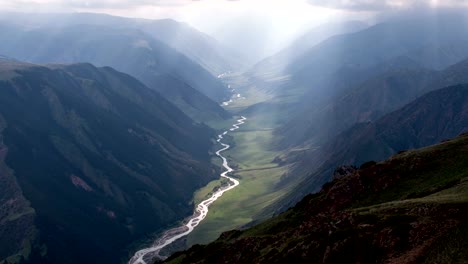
(409,208)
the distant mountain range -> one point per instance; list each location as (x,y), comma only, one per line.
(277,63)
(365,48)
(126,49)
(332,67)
(197,46)
(91,160)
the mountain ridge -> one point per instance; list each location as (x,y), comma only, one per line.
(173,33)
(368,101)
(128,50)
(418,124)
(99,156)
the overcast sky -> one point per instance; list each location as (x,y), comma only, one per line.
(202,13)
(206,15)
(285,17)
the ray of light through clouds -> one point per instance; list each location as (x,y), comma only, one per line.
(296,11)
(281,19)
(286,17)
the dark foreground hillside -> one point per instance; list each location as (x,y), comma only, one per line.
(410,208)
(91,160)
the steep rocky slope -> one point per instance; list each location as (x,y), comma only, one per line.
(407,209)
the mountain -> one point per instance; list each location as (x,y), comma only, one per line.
(341,62)
(434,117)
(276,64)
(192,102)
(325,90)
(127,50)
(396,86)
(366,48)
(199,47)
(91,160)
(407,209)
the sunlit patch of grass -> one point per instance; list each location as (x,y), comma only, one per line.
(251,150)
(252,157)
(458,193)
(239,206)
(206,192)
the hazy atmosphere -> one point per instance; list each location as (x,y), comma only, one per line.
(276,22)
(233,131)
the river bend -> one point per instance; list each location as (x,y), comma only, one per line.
(149,254)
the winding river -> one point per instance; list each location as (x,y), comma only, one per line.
(200,213)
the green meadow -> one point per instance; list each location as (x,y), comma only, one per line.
(251,156)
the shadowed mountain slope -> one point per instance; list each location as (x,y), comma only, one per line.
(434,117)
(199,47)
(102,159)
(367,102)
(128,50)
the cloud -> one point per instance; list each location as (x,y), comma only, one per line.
(92,4)
(125,3)
(104,4)
(385,5)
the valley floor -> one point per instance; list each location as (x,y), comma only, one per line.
(258,174)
